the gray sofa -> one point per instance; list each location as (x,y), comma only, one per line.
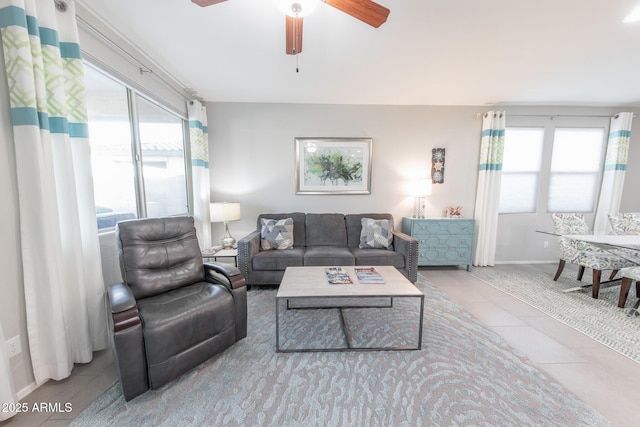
(323,239)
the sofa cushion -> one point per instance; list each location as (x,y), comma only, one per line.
(354,226)
(376,234)
(277,259)
(299,234)
(326,230)
(378,257)
(328,255)
(276,234)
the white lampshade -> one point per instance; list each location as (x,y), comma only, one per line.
(224,211)
(422,187)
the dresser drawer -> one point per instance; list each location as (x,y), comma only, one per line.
(445,241)
(442,241)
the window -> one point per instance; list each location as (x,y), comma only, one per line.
(137,153)
(521,164)
(162,148)
(554,166)
(575,169)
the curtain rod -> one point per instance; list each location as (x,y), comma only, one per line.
(552,116)
(135,61)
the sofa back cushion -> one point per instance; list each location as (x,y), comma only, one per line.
(299,234)
(158,254)
(326,229)
(354,225)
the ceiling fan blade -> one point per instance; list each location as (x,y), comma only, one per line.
(204,3)
(294,35)
(365,10)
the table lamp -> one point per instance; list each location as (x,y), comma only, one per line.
(225,212)
(421,189)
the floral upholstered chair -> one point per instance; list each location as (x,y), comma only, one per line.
(625,223)
(629,275)
(584,254)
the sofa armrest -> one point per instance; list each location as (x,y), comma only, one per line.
(225,274)
(407,246)
(248,247)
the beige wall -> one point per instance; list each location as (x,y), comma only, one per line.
(252,156)
(252,161)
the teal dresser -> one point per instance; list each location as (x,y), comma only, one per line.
(442,241)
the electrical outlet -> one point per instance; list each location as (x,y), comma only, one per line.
(546,244)
(13,346)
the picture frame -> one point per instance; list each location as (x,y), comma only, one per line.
(333,165)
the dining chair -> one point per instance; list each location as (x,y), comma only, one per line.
(625,223)
(629,275)
(570,250)
(583,254)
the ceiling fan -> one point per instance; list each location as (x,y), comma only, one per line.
(366,11)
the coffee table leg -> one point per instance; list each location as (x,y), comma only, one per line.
(420,324)
(343,325)
(277,326)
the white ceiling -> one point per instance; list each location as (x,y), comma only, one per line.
(429,52)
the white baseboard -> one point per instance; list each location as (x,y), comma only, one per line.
(28,390)
(553,261)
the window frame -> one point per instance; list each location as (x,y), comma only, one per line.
(550,123)
(137,159)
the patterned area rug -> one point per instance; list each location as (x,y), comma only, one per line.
(600,319)
(464,375)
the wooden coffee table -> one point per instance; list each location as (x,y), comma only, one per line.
(308,283)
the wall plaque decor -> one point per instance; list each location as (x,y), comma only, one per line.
(437,165)
(333,165)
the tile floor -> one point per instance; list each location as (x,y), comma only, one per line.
(599,376)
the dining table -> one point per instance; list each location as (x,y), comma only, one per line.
(624,245)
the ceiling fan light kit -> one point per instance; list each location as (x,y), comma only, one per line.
(297,8)
(366,11)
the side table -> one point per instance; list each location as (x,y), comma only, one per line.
(214,254)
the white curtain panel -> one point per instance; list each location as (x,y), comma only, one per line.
(488,192)
(615,166)
(63,283)
(7,391)
(198,135)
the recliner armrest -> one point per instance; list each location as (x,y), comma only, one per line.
(225,274)
(120,297)
(124,309)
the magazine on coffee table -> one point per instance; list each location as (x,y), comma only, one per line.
(337,275)
(368,275)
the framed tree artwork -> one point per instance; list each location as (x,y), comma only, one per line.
(333,165)
(437,165)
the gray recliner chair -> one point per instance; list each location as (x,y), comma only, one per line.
(172,311)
